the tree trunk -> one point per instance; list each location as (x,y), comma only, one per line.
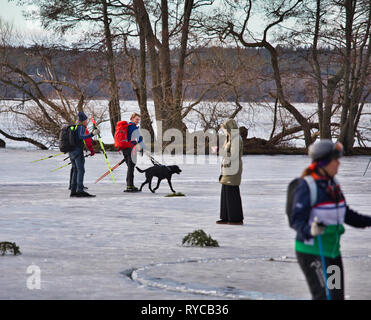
(164,53)
(281,97)
(326,133)
(146,122)
(346,115)
(29,140)
(157,94)
(114,102)
(188,5)
(325,128)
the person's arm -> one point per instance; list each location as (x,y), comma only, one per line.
(301,210)
(231,161)
(136,136)
(356,220)
(81,133)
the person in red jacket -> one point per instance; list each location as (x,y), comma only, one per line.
(89,145)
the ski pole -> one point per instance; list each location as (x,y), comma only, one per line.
(104,151)
(58,154)
(367,167)
(107,172)
(65,165)
(323,266)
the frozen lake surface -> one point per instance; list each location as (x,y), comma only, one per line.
(128,246)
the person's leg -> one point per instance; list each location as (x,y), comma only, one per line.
(312,268)
(335,275)
(71,173)
(131,166)
(223,205)
(73,176)
(80,166)
(234,204)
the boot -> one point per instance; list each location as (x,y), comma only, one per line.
(222,222)
(131,189)
(81,194)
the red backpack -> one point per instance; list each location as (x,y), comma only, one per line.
(121,136)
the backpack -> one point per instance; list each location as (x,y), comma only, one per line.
(67,138)
(291,192)
(121,136)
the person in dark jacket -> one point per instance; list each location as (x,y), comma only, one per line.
(230,178)
(325,219)
(89,145)
(136,139)
(77,157)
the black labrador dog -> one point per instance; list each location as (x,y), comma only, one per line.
(161,172)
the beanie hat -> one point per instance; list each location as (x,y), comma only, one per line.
(324,151)
(81,116)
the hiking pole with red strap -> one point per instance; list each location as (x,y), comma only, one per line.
(104,151)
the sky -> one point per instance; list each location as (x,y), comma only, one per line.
(12,13)
(31,30)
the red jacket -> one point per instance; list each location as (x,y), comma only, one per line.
(89,142)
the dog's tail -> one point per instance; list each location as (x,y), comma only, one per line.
(140,170)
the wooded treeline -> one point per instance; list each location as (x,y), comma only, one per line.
(80,67)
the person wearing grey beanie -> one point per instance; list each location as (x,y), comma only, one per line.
(319,223)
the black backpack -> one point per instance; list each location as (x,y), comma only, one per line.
(67,138)
(291,192)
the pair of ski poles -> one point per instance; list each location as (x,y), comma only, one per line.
(53,156)
(101,145)
(104,153)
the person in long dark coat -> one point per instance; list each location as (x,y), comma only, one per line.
(230,178)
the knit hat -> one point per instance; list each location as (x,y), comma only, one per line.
(81,116)
(324,151)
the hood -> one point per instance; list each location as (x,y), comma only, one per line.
(229,125)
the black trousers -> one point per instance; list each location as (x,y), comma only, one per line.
(230,204)
(131,165)
(311,266)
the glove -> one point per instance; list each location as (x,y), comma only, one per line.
(133,142)
(92,153)
(96,132)
(317,228)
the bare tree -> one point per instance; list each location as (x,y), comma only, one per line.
(277,12)
(340,61)
(63,16)
(42,99)
(167,93)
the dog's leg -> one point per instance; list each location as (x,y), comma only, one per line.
(158,184)
(141,187)
(171,187)
(150,185)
